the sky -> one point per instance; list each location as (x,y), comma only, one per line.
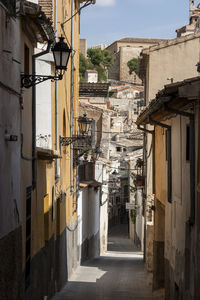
(110,20)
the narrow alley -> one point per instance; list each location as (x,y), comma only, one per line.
(119,274)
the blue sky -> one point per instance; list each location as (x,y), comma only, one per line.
(110,20)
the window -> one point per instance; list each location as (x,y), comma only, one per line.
(86,171)
(126,193)
(26,59)
(118,149)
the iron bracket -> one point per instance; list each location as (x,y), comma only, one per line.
(28,81)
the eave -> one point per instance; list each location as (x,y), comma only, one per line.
(179,95)
(35,23)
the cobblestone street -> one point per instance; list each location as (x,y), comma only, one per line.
(119,274)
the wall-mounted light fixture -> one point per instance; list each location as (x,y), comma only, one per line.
(85,126)
(61,53)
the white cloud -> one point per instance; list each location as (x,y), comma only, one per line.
(105,2)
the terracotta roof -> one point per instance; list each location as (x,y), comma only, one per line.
(91,71)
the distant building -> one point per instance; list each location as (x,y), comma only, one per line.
(123,51)
(83,47)
(91,76)
(101,47)
(194,22)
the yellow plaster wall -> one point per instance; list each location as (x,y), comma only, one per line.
(43,226)
(160,165)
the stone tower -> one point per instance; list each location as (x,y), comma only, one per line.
(192,6)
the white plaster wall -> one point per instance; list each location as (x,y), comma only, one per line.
(88,216)
(92,77)
(83,215)
(94,212)
(43,106)
(102,176)
(140,219)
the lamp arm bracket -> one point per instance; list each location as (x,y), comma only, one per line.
(28,81)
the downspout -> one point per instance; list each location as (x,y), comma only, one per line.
(34,154)
(72,98)
(145,171)
(57,171)
(192,171)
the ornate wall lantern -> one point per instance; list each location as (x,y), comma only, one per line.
(85,126)
(61,54)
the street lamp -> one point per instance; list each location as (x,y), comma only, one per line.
(85,125)
(61,53)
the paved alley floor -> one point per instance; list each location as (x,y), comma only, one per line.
(117,275)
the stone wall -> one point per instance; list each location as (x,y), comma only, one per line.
(114,71)
(126,54)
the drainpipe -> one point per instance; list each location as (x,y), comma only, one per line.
(57,171)
(72,98)
(145,171)
(192,171)
(34,154)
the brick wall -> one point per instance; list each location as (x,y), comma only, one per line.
(47,8)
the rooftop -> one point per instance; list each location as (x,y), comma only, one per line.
(176,95)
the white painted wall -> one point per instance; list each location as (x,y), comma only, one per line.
(83,220)
(43,105)
(92,77)
(139,226)
(102,176)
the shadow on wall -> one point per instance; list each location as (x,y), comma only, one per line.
(48,268)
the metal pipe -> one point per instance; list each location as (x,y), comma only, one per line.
(34,161)
(57,171)
(192,171)
(72,98)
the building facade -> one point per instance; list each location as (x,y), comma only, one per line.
(124,50)
(170,124)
